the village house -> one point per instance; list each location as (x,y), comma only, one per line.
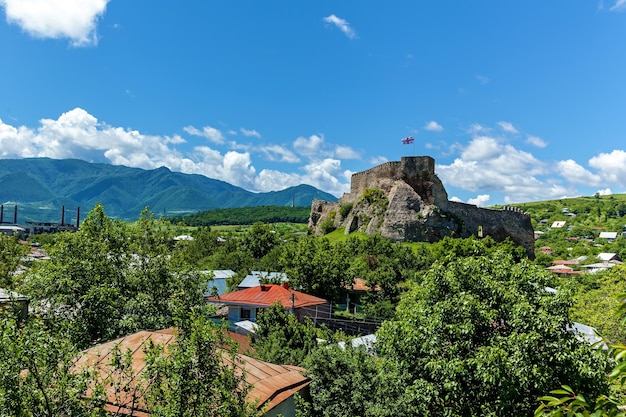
(245,304)
(273,386)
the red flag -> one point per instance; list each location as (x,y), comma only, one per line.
(407,140)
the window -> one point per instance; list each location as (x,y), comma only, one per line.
(245,314)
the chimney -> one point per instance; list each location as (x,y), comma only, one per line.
(15,215)
(286,285)
(264,287)
(77,217)
(62,215)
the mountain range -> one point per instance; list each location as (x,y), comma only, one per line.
(40,187)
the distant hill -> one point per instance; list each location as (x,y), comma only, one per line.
(41,186)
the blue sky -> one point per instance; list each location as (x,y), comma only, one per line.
(516,101)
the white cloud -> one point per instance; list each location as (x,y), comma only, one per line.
(341,24)
(576,174)
(346,152)
(208,132)
(310,146)
(326,174)
(490,165)
(619,5)
(433,126)
(482,148)
(536,141)
(611,166)
(606,191)
(377,160)
(477,129)
(279,153)
(75,20)
(480,200)
(250,133)
(78,134)
(507,127)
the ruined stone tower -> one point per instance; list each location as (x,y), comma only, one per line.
(405,201)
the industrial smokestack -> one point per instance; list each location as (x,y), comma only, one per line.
(62,215)
(78,217)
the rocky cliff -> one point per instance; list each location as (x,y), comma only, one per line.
(406,202)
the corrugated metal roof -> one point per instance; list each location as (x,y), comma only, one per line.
(266,295)
(254,278)
(6,296)
(271,384)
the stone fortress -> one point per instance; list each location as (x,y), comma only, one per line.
(405,201)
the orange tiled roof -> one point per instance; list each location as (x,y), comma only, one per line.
(267,294)
(271,384)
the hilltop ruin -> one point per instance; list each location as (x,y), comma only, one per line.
(406,202)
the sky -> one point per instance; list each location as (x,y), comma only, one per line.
(516,101)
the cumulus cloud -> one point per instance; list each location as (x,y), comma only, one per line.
(341,24)
(576,174)
(75,20)
(311,146)
(78,134)
(491,165)
(606,191)
(480,200)
(536,141)
(611,166)
(482,148)
(208,132)
(433,126)
(507,127)
(250,133)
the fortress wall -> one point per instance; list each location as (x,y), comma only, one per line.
(499,224)
(384,175)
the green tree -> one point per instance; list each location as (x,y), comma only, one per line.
(37,376)
(110,279)
(10,254)
(259,240)
(384,266)
(597,304)
(483,336)
(316,267)
(344,382)
(199,376)
(282,338)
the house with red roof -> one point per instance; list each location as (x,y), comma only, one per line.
(272,386)
(245,304)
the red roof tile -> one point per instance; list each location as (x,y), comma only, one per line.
(267,294)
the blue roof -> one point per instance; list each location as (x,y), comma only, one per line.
(218,282)
(254,279)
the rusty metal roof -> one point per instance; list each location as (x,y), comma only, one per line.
(271,384)
(267,294)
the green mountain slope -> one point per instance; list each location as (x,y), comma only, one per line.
(40,186)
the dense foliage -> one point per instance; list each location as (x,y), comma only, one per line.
(469,330)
